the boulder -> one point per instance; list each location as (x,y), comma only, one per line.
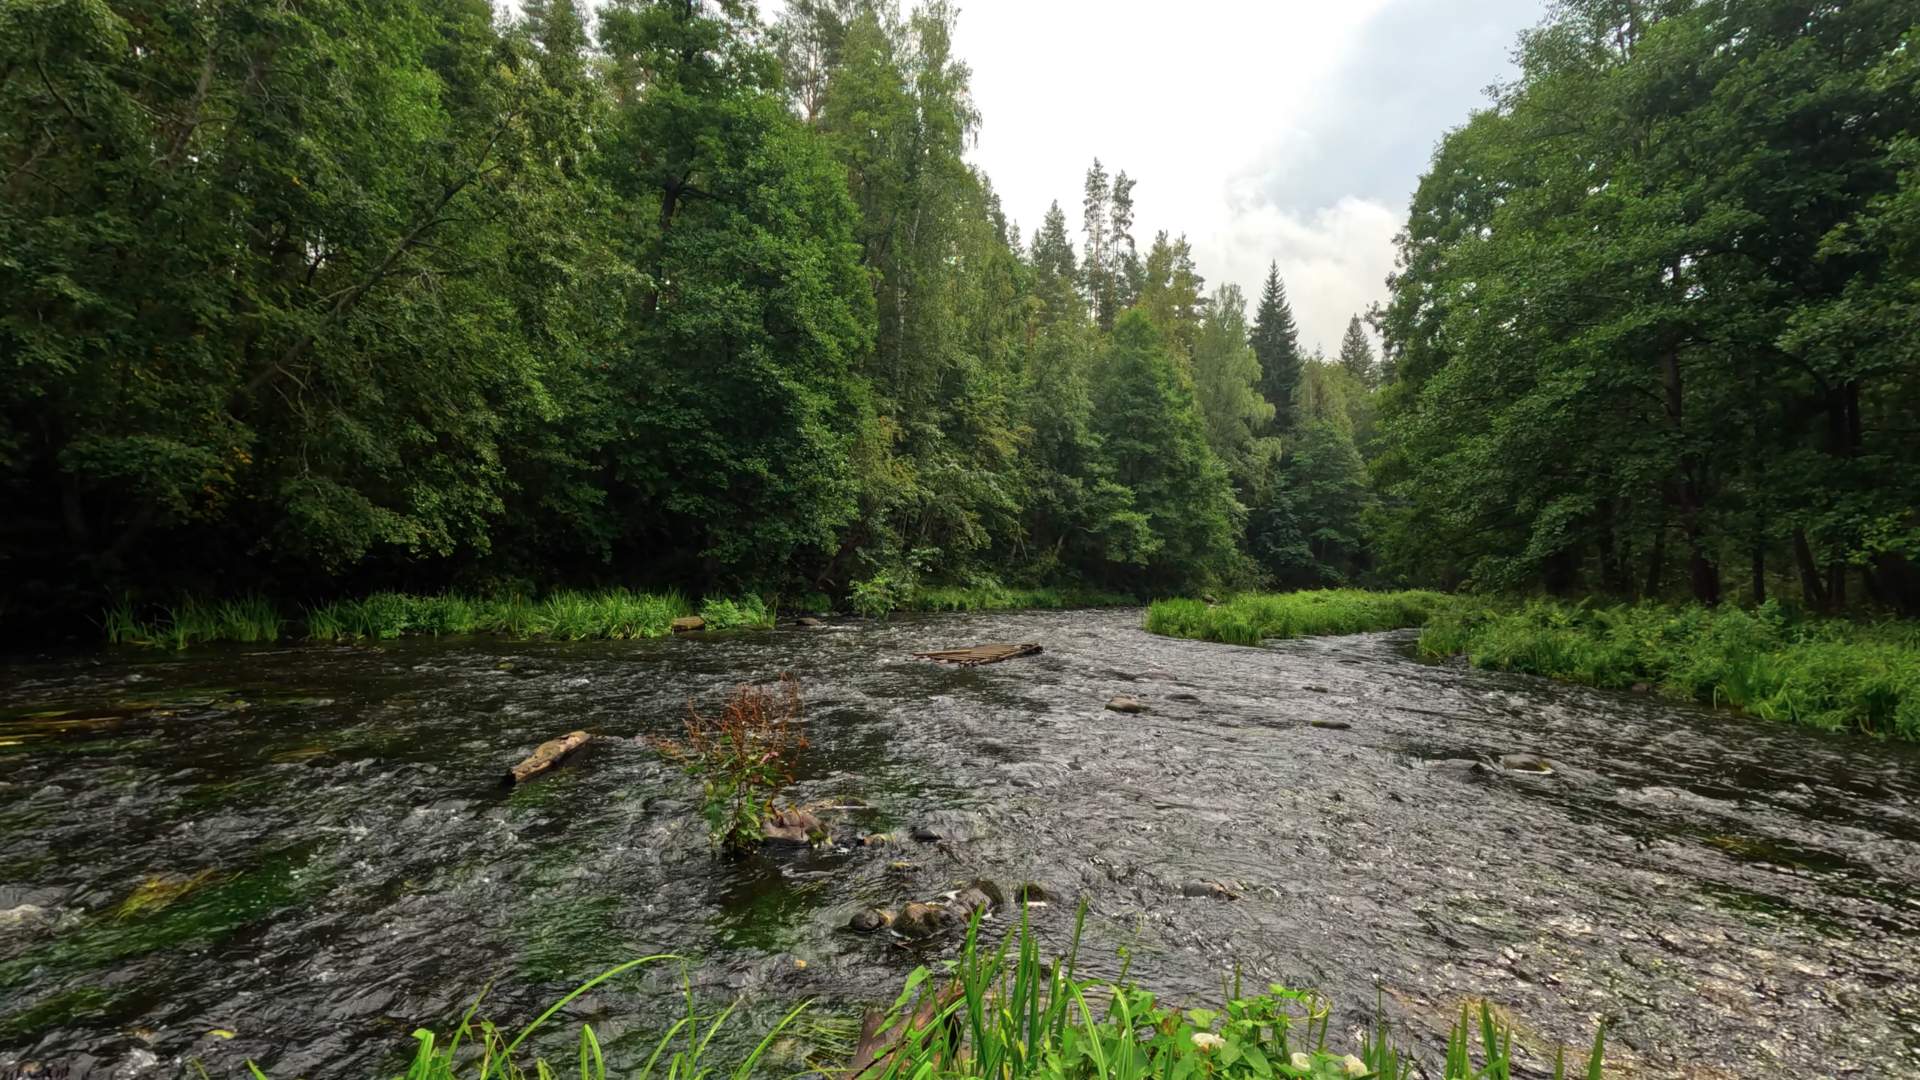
(688,624)
(792,826)
(1125,704)
(546,756)
(870,920)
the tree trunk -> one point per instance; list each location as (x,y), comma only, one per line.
(1702,574)
(1812,593)
(1656,563)
(1759,573)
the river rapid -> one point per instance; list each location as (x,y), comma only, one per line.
(297,855)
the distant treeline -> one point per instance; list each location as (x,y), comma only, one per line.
(319,299)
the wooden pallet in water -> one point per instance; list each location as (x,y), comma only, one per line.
(975,655)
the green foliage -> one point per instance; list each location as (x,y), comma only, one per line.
(1250,618)
(878,596)
(742,759)
(1678,334)
(750,613)
(993,596)
(1825,673)
(193,621)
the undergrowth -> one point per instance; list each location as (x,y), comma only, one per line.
(1825,673)
(1250,618)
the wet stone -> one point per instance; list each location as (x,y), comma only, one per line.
(920,920)
(870,920)
(1125,704)
(1330,725)
(1205,890)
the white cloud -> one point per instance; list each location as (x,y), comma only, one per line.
(1267,130)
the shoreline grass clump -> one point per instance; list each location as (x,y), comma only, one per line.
(1250,618)
(994,596)
(1008,1013)
(1832,674)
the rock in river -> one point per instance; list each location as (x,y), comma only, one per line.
(869,920)
(1532,763)
(688,624)
(1330,725)
(919,920)
(1209,889)
(794,827)
(1126,704)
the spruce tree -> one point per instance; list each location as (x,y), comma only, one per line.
(1356,355)
(1276,344)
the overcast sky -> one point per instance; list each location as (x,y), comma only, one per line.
(1265,129)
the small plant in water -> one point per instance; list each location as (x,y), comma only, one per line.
(742,759)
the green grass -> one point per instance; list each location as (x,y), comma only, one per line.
(192,621)
(996,597)
(1008,1013)
(1250,618)
(565,615)
(1832,674)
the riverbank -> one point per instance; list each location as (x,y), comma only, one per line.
(1831,674)
(566,615)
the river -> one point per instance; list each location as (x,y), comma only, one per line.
(298,854)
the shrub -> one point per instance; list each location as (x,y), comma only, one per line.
(742,759)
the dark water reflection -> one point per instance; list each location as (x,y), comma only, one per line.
(1737,897)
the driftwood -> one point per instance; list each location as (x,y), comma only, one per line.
(975,655)
(546,756)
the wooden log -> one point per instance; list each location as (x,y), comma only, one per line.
(975,655)
(546,756)
(881,1032)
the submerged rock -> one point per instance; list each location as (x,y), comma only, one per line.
(955,825)
(1330,725)
(1033,893)
(870,920)
(1125,704)
(970,899)
(1529,763)
(808,620)
(1206,889)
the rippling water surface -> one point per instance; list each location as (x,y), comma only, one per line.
(308,847)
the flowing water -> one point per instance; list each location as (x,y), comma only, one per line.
(309,848)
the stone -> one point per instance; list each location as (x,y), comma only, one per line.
(25,915)
(1330,725)
(1310,688)
(1205,889)
(794,827)
(969,900)
(688,624)
(878,839)
(1529,763)
(1125,704)
(870,920)
(808,620)
(919,920)
(1642,688)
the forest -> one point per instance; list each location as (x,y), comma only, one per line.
(313,300)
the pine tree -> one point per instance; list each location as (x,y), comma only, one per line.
(1356,354)
(1096,264)
(1276,344)
(1127,271)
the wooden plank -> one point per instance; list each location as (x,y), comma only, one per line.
(975,655)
